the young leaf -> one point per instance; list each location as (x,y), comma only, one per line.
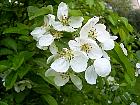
(3,103)
(18,61)
(10,43)
(10,80)
(49,99)
(5,51)
(118,54)
(34,12)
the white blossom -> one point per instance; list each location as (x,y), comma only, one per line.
(45,35)
(68,58)
(66,23)
(20,86)
(60,79)
(100,67)
(98,32)
(87,46)
(137,69)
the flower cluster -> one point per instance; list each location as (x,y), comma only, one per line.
(88,48)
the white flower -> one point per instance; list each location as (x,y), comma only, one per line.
(123,49)
(61,79)
(133,103)
(97,31)
(66,23)
(137,69)
(45,35)
(111,80)
(87,46)
(20,86)
(100,67)
(68,58)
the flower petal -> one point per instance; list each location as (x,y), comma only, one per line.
(79,62)
(102,36)
(102,67)
(61,80)
(74,45)
(100,27)
(92,21)
(114,37)
(138,65)
(38,32)
(68,29)
(41,47)
(76,81)
(90,75)
(48,19)
(50,72)
(60,27)
(95,53)
(52,58)
(84,32)
(60,65)
(105,55)
(53,48)
(123,49)
(108,45)
(62,11)
(76,22)
(46,40)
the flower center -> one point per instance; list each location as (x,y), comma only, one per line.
(64,20)
(64,75)
(68,54)
(92,33)
(86,47)
(56,34)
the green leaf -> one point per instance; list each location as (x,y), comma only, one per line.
(10,43)
(18,61)
(20,29)
(5,51)
(10,80)
(138,54)
(118,54)
(130,28)
(122,34)
(49,99)
(4,65)
(27,55)
(90,3)
(47,79)
(3,103)
(22,71)
(111,20)
(34,12)
(16,30)
(75,13)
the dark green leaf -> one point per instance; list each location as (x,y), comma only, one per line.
(34,12)
(18,61)
(10,80)
(10,43)
(5,51)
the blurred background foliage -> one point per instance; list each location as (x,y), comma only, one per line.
(20,59)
